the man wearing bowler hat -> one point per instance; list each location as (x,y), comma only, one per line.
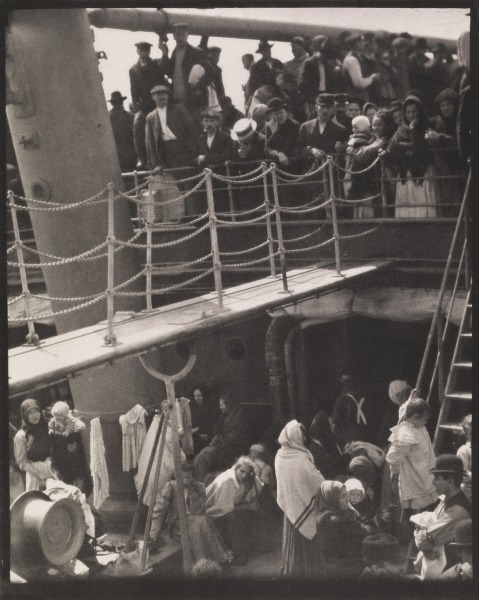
(357,69)
(144,74)
(453,507)
(122,125)
(281,132)
(262,71)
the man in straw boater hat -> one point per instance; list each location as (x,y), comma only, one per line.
(122,125)
(250,144)
(462,545)
(144,74)
(453,507)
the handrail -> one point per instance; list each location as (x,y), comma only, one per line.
(443,287)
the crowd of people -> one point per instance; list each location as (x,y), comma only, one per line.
(356,96)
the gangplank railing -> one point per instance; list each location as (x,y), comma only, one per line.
(321,180)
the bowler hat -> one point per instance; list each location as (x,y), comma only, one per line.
(353,38)
(160,88)
(116,96)
(211,114)
(45,529)
(381,548)
(341,98)
(275,104)
(143,45)
(463,534)
(212,49)
(448,463)
(262,46)
(325,99)
(243,129)
(421,43)
(299,40)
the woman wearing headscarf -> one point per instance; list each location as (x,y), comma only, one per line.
(298,482)
(416,192)
(326,452)
(444,141)
(32,446)
(340,533)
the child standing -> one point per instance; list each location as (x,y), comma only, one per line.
(411,456)
(68,458)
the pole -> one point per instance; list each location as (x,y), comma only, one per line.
(32,337)
(149,227)
(230,190)
(136,516)
(138,198)
(337,250)
(264,166)
(383,188)
(154,492)
(467,261)
(214,238)
(110,338)
(440,351)
(282,253)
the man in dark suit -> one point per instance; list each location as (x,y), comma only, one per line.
(315,75)
(262,72)
(213,147)
(145,74)
(122,125)
(190,72)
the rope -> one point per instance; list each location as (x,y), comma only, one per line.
(181,225)
(249,262)
(236,182)
(128,281)
(169,288)
(58,313)
(238,213)
(304,210)
(289,251)
(165,244)
(300,177)
(177,266)
(303,237)
(346,201)
(16,299)
(61,204)
(350,237)
(337,165)
(186,180)
(247,250)
(236,224)
(75,299)
(238,177)
(60,261)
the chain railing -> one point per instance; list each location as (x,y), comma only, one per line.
(321,180)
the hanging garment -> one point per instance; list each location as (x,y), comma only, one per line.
(99,471)
(133,429)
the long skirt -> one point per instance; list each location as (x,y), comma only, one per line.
(299,555)
(236,528)
(206,541)
(417,198)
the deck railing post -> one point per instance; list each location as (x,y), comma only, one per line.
(110,338)
(382,184)
(137,198)
(337,251)
(32,336)
(269,229)
(279,229)
(214,237)
(230,190)
(149,228)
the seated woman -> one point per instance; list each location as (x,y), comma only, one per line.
(203,417)
(327,455)
(231,438)
(340,533)
(232,500)
(417,192)
(205,541)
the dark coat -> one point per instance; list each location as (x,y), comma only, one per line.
(122,125)
(309,135)
(283,139)
(365,184)
(143,78)
(196,97)
(182,126)
(218,80)
(328,460)
(257,150)
(222,149)
(230,117)
(232,434)
(411,151)
(309,78)
(261,74)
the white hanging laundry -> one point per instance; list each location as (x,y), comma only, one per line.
(99,471)
(133,429)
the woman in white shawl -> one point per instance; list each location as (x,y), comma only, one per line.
(298,482)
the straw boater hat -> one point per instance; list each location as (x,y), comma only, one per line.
(243,129)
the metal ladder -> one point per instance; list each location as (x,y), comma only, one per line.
(455,393)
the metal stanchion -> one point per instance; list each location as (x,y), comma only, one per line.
(383,190)
(214,238)
(137,197)
(110,338)
(264,166)
(230,190)
(32,337)
(282,254)
(335,217)
(149,227)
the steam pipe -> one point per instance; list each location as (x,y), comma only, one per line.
(201,23)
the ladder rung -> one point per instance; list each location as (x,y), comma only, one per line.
(451,427)
(463,365)
(469,306)
(467,334)
(459,396)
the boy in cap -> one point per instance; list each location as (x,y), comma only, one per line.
(383,557)
(144,74)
